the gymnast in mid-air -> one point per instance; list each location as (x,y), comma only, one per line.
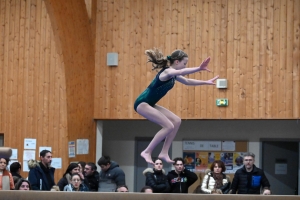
(171,68)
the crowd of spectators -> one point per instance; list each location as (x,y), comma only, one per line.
(84,177)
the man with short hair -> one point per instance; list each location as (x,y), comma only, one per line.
(111,175)
(41,174)
(91,176)
(250,179)
(181,179)
(15,169)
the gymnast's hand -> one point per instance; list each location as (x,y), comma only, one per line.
(204,64)
(212,81)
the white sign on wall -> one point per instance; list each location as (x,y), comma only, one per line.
(202,145)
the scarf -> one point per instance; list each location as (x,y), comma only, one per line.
(218,179)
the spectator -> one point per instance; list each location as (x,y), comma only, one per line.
(180,179)
(15,169)
(66,179)
(122,188)
(76,184)
(23,184)
(156,178)
(41,174)
(111,175)
(147,189)
(215,181)
(6,179)
(250,179)
(91,176)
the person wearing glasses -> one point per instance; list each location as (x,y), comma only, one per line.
(76,184)
(170,69)
(23,184)
(250,179)
(156,178)
(181,179)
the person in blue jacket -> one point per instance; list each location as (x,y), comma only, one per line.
(41,174)
(171,68)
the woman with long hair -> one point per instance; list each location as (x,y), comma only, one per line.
(156,178)
(66,179)
(23,184)
(76,184)
(6,179)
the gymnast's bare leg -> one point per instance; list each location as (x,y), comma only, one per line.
(170,124)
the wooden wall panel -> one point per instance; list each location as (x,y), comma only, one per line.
(74,42)
(254,44)
(46,88)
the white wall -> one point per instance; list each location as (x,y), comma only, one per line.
(119,136)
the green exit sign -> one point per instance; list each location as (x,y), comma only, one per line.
(222,102)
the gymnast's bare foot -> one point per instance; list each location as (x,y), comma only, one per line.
(165,157)
(147,157)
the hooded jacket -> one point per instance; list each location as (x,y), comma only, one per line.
(157,180)
(180,183)
(37,176)
(111,178)
(258,180)
(208,183)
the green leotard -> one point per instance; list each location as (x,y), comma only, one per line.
(155,91)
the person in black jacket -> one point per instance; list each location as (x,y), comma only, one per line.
(156,178)
(250,179)
(91,176)
(73,168)
(181,179)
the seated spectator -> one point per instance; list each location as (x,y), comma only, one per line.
(76,184)
(147,189)
(250,179)
(180,179)
(23,184)
(55,188)
(91,176)
(122,188)
(156,178)
(6,179)
(66,179)
(215,181)
(15,169)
